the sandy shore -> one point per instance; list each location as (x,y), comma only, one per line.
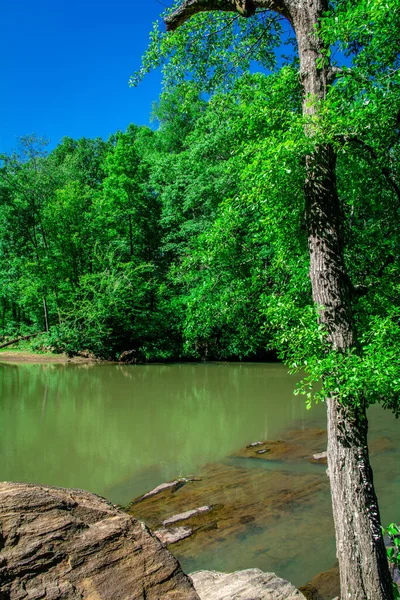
(22,356)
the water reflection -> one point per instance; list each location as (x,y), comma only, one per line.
(119,430)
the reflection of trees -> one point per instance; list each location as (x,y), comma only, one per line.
(92,426)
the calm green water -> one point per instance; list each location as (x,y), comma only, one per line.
(119,431)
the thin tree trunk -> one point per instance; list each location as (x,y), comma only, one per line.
(20,339)
(45,314)
(57,305)
(4,317)
(130,236)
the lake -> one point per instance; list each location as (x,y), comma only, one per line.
(119,431)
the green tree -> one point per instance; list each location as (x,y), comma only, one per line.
(27,184)
(212,39)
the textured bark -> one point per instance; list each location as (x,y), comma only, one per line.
(245,8)
(364,572)
(363,566)
(361,553)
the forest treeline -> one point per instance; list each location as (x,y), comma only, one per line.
(188,241)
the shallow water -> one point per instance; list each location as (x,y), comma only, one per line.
(120,431)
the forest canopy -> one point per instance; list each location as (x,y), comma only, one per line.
(188,241)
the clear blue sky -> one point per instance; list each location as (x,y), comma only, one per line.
(66,65)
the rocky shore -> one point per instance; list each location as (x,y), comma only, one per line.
(64,544)
(207,513)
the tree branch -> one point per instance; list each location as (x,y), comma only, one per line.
(20,339)
(245,8)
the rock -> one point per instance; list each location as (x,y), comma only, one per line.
(67,544)
(251,584)
(173,486)
(320,457)
(186,515)
(323,586)
(239,511)
(173,535)
(298,445)
(129,357)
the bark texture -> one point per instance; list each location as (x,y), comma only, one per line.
(361,553)
(60,544)
(364,572)
(363,566)
(245,8)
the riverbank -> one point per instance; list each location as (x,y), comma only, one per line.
(28,356)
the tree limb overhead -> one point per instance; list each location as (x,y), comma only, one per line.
(245,8)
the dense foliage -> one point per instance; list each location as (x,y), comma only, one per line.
(188,241)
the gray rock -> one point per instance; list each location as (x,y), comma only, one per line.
(60,544)
(320,456)
(173,535)
(170,485)
(186,515)
(251,584)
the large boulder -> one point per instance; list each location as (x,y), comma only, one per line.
(250,584)
(72,545)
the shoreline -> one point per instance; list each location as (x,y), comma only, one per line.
(29,357)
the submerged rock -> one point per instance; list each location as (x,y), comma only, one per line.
(250,506)
(323,586)
(251,584)
(67,544)
(173,535)
(319,458)
(298,445)
(186,515)
(169,485)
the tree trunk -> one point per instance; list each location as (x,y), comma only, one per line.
(364,571)
(20,339)
(130,236)
(363,565)
(45,315)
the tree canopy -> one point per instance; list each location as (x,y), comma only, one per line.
(259,216)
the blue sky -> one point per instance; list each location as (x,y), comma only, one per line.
(66,65)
